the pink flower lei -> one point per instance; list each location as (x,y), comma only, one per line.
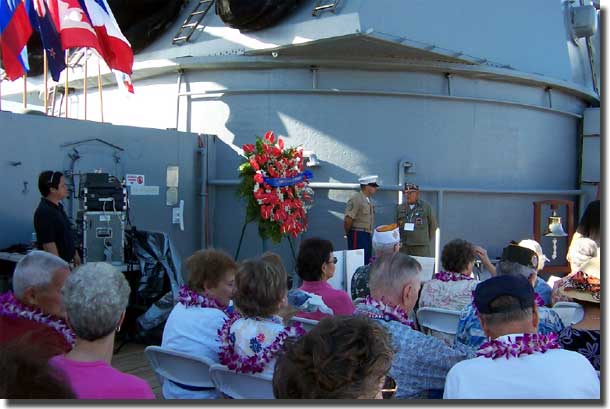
(525,344)
(446,276)
(387,312)
(11,307)
(254,363)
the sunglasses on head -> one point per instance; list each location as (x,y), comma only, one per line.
(389,388)
(51,178)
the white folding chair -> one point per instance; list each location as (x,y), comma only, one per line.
(438,319)
(240,385)
(306,323)
(180,367)
(569,312)
(427,267)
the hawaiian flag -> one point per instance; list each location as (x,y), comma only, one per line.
(41,20)
(115,49)
(124,81)
(15,31)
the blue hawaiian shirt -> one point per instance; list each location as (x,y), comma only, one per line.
(470,332)
(421,362)
(544,290)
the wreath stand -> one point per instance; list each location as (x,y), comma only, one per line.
(265,243)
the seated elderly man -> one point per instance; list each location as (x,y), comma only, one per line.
(386,241)
(34,312)
(517,362)
(420,362)
(515,261)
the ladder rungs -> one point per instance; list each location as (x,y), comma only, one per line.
(328,6)
(192,21)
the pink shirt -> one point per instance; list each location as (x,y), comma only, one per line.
(336,300)
(98,380)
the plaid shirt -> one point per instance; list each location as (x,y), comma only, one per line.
(470,332)
(421,362)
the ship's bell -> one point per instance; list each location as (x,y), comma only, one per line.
(555,228)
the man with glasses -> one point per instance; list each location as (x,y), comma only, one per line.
(360,216)
(417,223)
(53,229)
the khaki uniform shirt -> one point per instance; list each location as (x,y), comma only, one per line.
(422,217)
(361,211)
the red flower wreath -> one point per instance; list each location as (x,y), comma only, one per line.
(275,187)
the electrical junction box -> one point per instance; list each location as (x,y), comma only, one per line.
(584,21)
(104,237)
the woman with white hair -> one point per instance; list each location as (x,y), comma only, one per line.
(95,296)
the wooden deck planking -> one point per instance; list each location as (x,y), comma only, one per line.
(131,359)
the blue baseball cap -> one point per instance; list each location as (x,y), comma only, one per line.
(489,290)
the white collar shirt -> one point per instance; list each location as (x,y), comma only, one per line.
(555,374)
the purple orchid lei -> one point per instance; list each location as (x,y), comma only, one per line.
(11,307)
(254,363)
(446,276)
(537,298)
(388,313)
(525,344)
(190,298)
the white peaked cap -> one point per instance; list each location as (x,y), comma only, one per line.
(365,180)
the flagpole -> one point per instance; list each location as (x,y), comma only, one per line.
(66,82)
(25,91)
(99,88)
(46,82)
(85,83)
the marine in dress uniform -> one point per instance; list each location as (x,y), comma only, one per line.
(359,216)
(417,223)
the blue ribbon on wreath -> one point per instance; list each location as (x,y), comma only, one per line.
(281,182)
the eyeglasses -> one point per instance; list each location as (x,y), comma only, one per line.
(51,178)
(333,261)
(389,388)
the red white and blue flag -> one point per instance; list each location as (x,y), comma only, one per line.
(15,31)
(114,47)
(124,81)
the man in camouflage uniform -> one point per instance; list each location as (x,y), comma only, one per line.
(386,241)
(416,222)
(359,217)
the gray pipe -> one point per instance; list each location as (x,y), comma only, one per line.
(203,194)
(350,186)
(342,92)
(179,84)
